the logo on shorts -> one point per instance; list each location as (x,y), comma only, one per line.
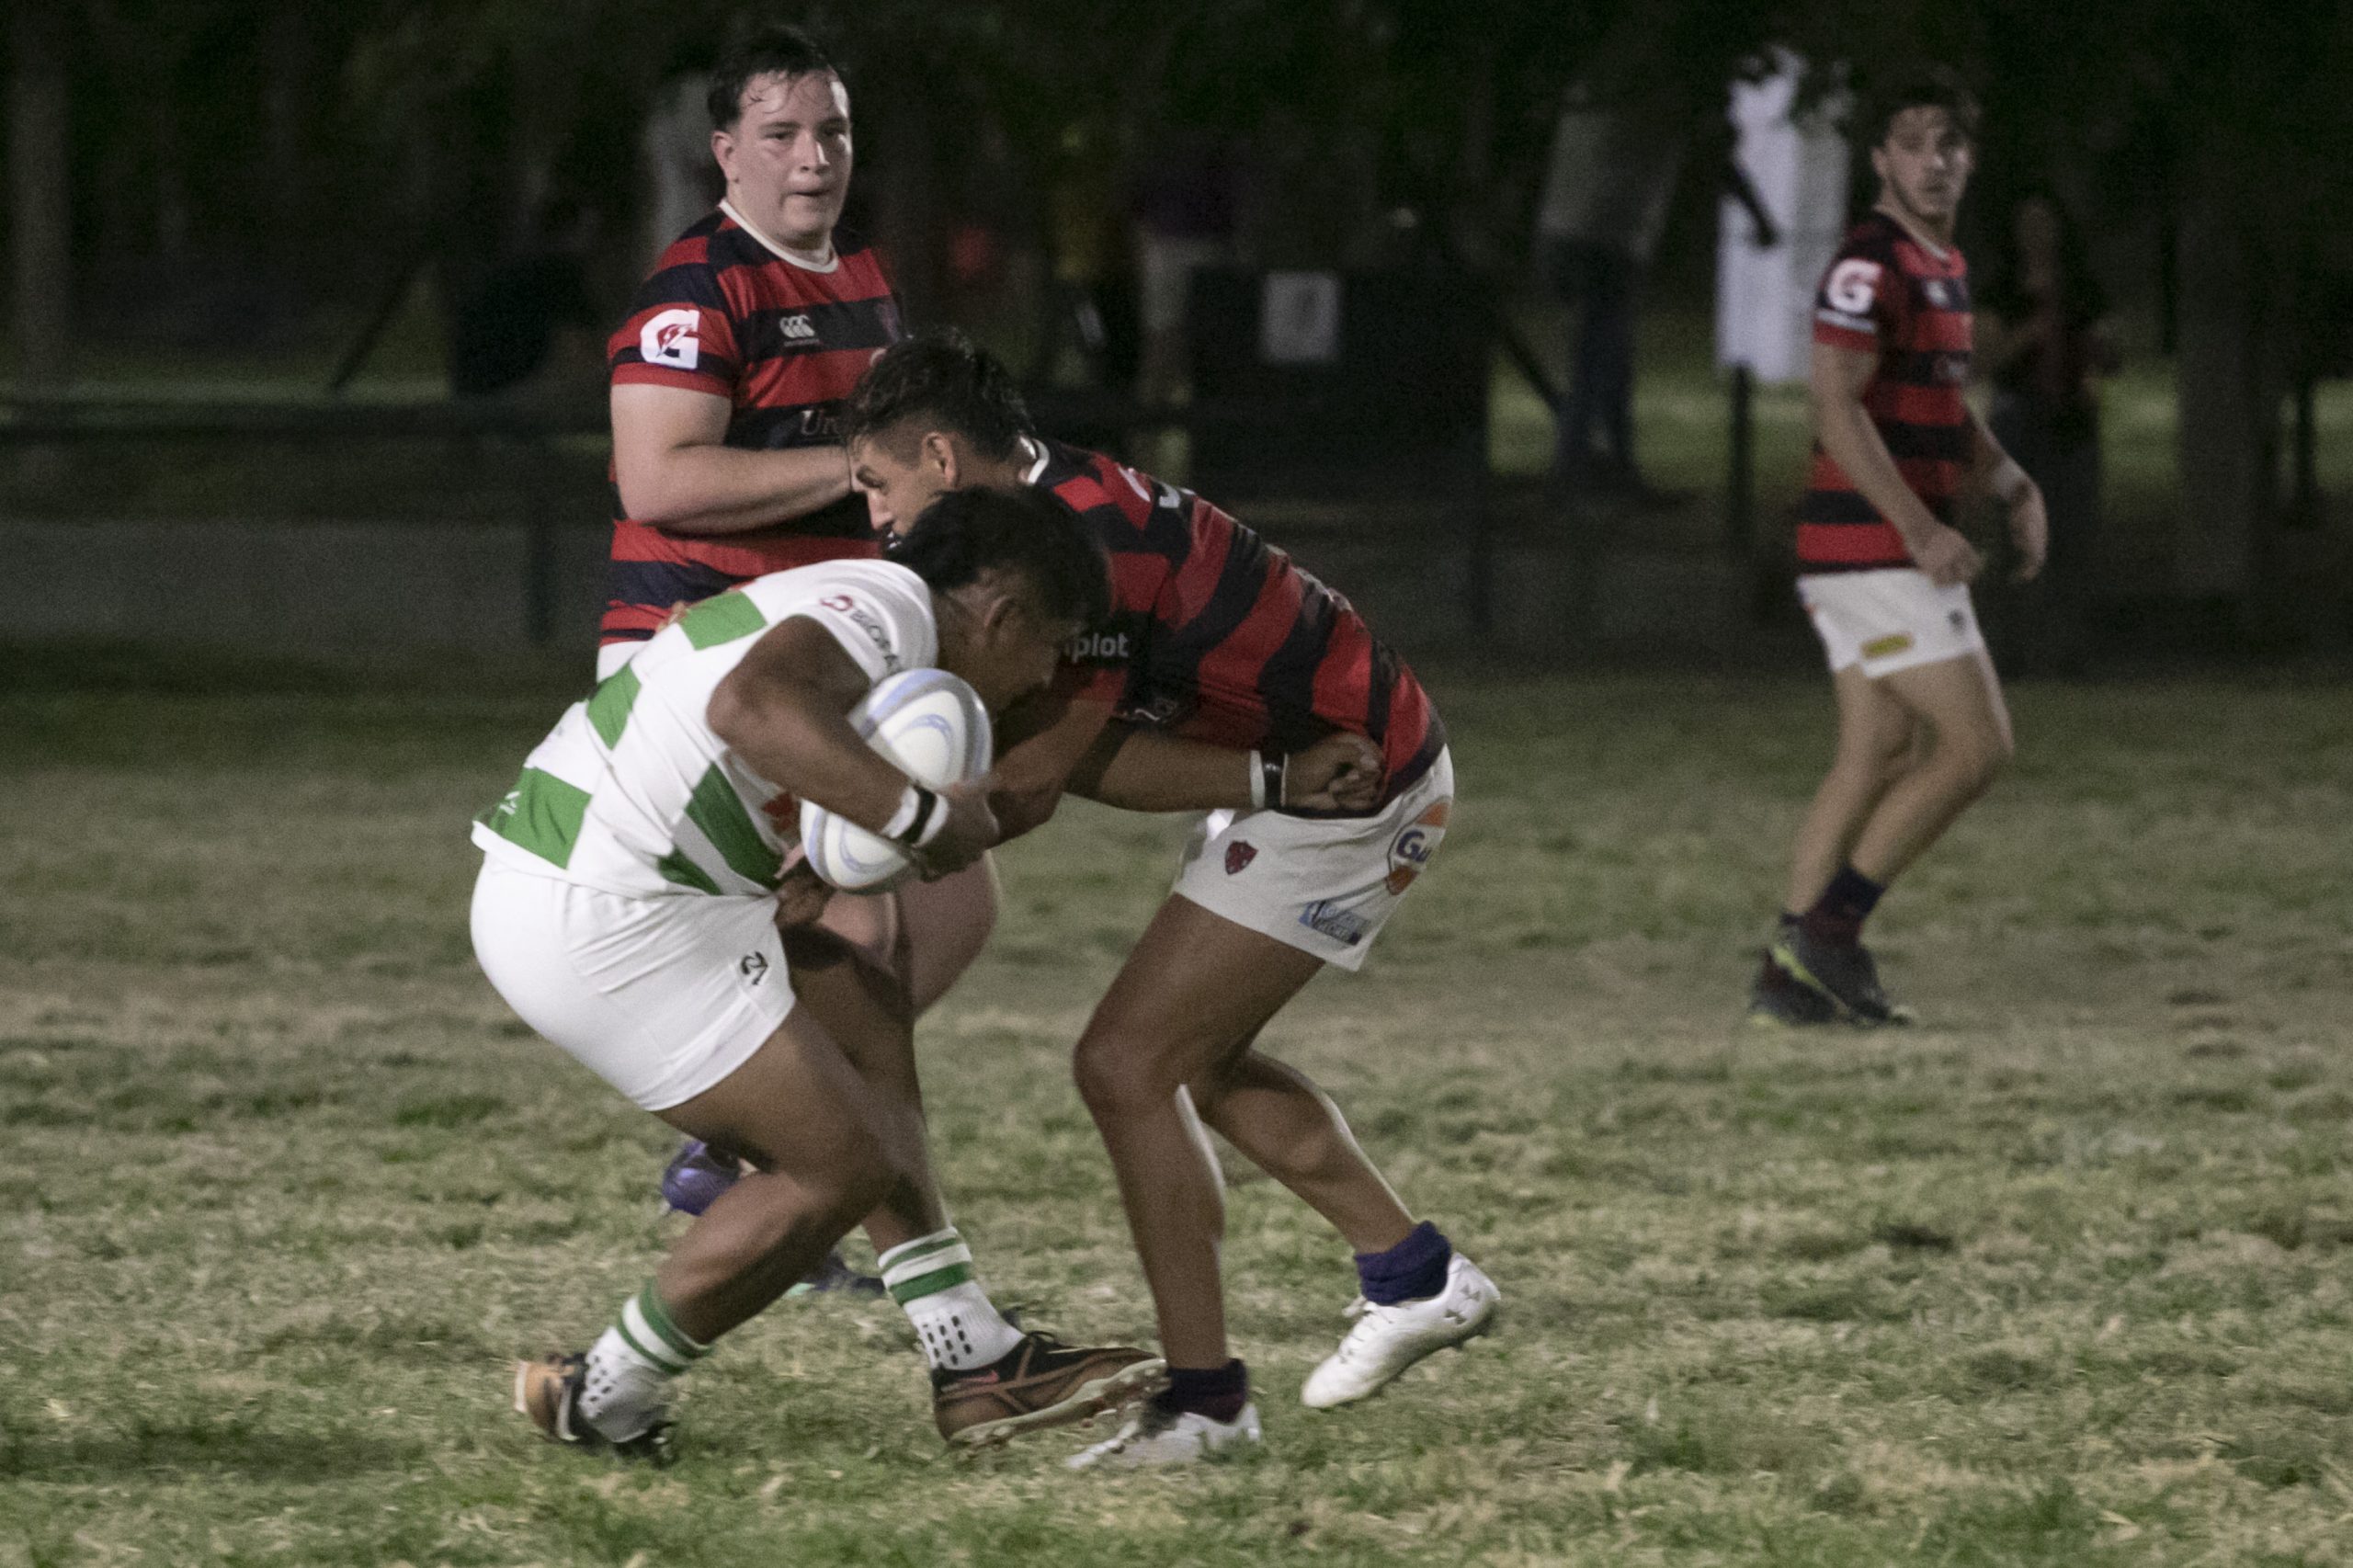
(1959,618)
(1887,647)
(754,967)
(1412,849)
(1238,855)
(1340,924)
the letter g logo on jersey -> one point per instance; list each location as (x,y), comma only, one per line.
(1415,844)
(1853,286)
(670,339)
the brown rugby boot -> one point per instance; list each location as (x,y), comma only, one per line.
(1039,1383)
(548,1392)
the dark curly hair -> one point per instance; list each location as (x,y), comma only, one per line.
(944,378)
(1025,531)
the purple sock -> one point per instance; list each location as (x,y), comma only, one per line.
(1218,1392)
(1414,1268)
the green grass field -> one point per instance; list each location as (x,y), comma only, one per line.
(2063,1276)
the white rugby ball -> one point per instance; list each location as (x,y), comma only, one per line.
(933,726)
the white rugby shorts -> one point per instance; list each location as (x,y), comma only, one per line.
(661,997)
(1326,885)
(1889,619)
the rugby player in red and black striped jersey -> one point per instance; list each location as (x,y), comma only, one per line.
(1229,682)
(729,374)
(1922,727)
(727,383)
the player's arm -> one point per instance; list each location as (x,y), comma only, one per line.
(1046,738)
(1143,770)
(784,709)
(2000,476)
(675,470)
(1845,429)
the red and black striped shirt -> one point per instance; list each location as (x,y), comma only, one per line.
(723,313)
(1215,634)
(1888,294)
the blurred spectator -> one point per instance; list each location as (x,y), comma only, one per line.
(2044,347)
(1184,208)
(1091,301)
(1614,163)
(682,183)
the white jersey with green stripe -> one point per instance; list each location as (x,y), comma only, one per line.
(634,793)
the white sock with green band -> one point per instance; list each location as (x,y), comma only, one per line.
(931,1278)
(631,1368)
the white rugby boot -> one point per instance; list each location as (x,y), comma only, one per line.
(1387,1340)
(1154,1435)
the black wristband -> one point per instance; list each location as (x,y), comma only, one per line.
(1270,777)
(927,807)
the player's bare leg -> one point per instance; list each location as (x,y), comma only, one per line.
(927,932)
(1874,747)
(839,979)
(990,1381)
(825,1154)
(1959,702)
(1960,732)
(1195,992)
(1290,1128)
(799,1112)
(1172,1038)
(923,937)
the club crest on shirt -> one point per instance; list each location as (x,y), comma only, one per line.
(1415,844)
(1238,855)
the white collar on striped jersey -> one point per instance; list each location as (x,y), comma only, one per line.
(807,260)
(1035,451)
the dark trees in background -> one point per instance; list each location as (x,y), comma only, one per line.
(318,145)
(40,196)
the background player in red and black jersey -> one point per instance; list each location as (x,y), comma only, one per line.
(729,374)
(1227,681)
(1922,726)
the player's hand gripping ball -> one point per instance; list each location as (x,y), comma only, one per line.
(934,728)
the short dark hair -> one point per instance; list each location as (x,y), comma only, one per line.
(1026,531)
(773,50)
(1924,86)
(946,377)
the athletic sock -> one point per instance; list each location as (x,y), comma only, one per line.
(1218,1392)
(1412,1270)
(960,1328)
(1838,914)
(631,1366)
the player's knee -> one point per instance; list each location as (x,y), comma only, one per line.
(1116,1078)
(1975,757)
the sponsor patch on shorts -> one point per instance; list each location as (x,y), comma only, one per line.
(1341,925)
(1887,647)
(1411,849)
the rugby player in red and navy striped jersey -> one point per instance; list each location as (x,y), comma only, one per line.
(729,374)
(1922,727)
(1229,682)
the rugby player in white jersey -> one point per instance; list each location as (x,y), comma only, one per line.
(627,910)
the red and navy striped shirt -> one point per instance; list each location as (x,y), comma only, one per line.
(1889,295)
(724,314)
(1215,634)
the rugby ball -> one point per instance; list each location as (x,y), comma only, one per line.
(934,728)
